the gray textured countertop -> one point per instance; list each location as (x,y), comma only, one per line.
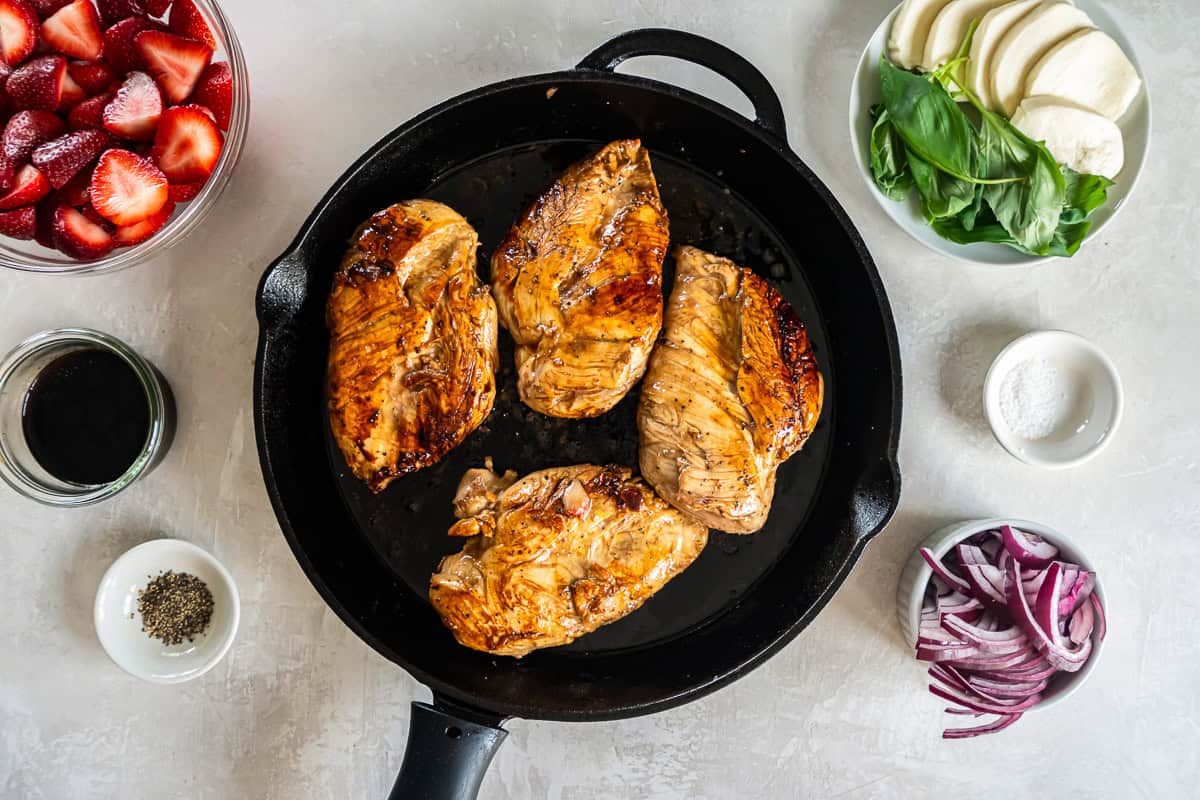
(301,708)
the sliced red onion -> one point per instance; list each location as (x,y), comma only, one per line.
(1081,623)
(1077,593)
(971,554)
(973,633)
(1101,622)
(966,712)
(1002,722)
(1028,549)
(986,582)
(1046,610)
(966,701)
(942,572)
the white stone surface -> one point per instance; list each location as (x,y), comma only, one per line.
(301,708)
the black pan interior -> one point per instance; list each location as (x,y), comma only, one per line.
(407,522)
(486,153)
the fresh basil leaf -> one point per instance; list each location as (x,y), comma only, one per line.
(952,228)
(1029,209)
(1085,193)
(942,195)
(889,164)
(970,214)
(1068,238)
(930,122)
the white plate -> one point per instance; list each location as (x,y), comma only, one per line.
(120,628)
(865,92)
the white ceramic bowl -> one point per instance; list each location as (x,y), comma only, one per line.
(1096,405)
(916,574)
(864,93)
(122,636)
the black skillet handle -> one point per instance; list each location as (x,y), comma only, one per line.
(446,757)
(876,498)
(703,52)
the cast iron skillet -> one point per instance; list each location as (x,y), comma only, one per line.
(730,185)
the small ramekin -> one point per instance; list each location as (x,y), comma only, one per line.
(20,470)
(914,579)
(1093,375)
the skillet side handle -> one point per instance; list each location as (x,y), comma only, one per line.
(446,757)
(697,50)
(875,499)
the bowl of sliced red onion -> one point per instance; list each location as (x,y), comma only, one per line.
(1009,614)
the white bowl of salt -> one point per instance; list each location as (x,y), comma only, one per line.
(1053,399)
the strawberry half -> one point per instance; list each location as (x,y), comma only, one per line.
(186,20)
(72,92)
(78,190)
(214,91)
(127,188)
(135,110)
(18,31)
(187,145)
(182,192)
(74,31)
(29,186)
(92,78)
(113,11)
(175,62)
(60,159)
(19,224)
(119,50)
(90,113)
(79,237)
(128,235)
(38,84)
(26,131)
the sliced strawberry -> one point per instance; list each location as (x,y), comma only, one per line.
(78,236)
(60,159)
(45,8)
(74,31)
(128,235)
(78,191)
(135,110)
(215,92)
(186,20)
(29,187)
(18,31)
(38,83)
(113,11)
(175,62)
(90,113)
(19,224)
(156,8)
(182,192)
(187,144)
(26,131)
(72,93)
(92,78)
(119,50)
(127,188)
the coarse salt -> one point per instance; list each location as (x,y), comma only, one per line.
(1035,398)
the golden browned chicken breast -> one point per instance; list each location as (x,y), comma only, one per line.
(578,283)
(556,555)
(412,352)
(732,391)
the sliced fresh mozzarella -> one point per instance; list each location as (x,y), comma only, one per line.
(1090,70)
(950,27)
(992,29)
(1025,45)
(910,29)
(1083,140)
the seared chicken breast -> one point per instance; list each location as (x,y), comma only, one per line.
(412,354)
(732,391)
(555,555)
(578,283)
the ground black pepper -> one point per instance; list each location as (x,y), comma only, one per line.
(175,606)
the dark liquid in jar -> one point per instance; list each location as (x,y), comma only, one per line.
(86,417)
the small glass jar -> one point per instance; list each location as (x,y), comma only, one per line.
(18,466)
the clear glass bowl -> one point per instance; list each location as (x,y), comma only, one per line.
(20,469)
(29,256)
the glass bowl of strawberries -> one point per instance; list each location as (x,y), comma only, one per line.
(122,121)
